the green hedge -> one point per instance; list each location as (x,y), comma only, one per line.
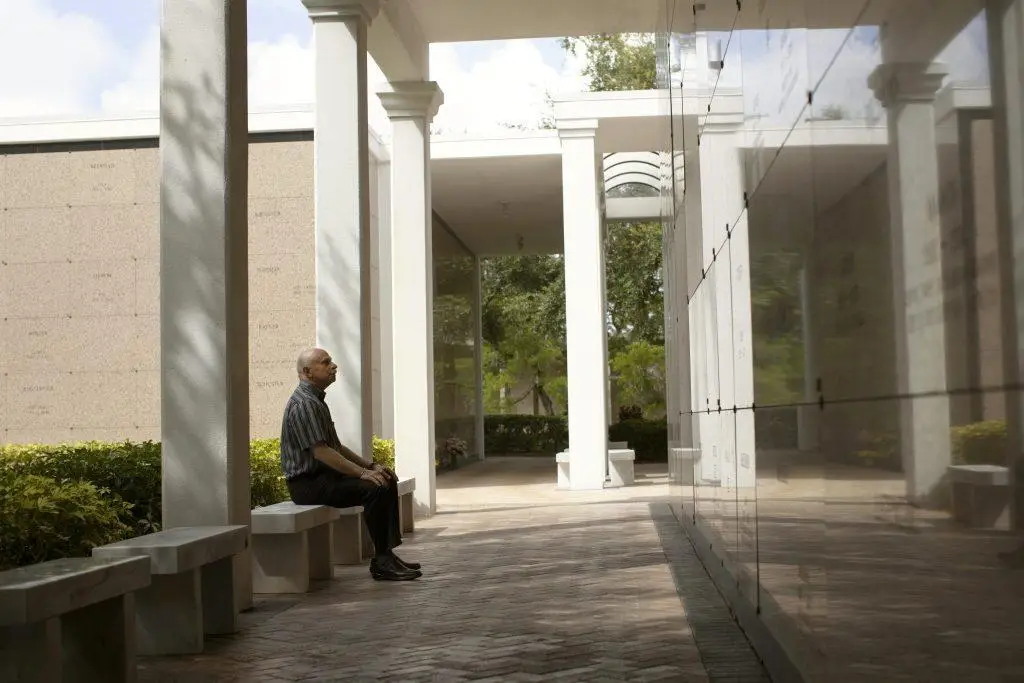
(44,519)
(647,438)
(980,443)
(547,435)
(63,500)
(525,434)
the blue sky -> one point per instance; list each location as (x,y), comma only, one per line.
(101,58)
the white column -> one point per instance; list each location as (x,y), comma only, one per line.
(1006,54)
(385,339)
(411,106)
(725,253)
(907,90)
(342,206)
(584,305)
(204,299)
(478,355)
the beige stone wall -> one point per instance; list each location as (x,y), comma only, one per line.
(79,288)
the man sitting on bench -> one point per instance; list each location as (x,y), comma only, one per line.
(321,471)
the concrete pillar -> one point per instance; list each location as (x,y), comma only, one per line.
(586,336)
(411,106)
(385,330)
(1006,55)
(478,355)
(204,297)
(907,91)
(344,315)
(725,250)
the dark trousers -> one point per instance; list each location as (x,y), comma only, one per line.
(380,503)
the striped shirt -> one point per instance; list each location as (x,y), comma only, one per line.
(307,422)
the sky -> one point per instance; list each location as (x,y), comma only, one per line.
(69,58)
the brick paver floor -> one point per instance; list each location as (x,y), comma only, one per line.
(566,589)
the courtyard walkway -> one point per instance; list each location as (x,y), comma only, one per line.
(522,583)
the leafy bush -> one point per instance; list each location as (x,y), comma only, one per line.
(647,438)
(131,470)
(630,412)
(384,452)
(980,443)
(266,480)
(526,433)
(44,519)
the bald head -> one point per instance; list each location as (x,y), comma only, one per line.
(315,366)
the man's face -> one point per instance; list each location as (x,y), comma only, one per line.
(321,371)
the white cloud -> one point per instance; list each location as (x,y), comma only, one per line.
(508,89)
(53,62)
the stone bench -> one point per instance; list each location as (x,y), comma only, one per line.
(406,512)
(981,495)
(193,588)
(291,544)
(562,461)
(70,619)
(681,462)
(620,467)
(347,536)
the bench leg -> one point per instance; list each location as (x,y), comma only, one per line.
(320,566)
(280,563)
(368,549)
(99,642)
(31,653)
(405,514)
(348,539)
(219,614)
(169,617)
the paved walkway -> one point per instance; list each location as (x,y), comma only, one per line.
(522,583)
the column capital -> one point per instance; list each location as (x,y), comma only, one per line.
(905,82)
(576,128)
(366,10)
(411,100)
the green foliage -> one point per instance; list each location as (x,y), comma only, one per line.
(630,412)
(545,434)
(980,443)
(623,61)
(777,326)
(384,452)
(647,438)
(640,375)
(266,480)
(131,470)
(636,304)
(44,519)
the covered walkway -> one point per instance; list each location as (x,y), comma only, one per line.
(522,583)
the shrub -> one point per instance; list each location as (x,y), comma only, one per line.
(526,433)
(266,480)
(44,519)
(630,412)
(647,438)
(384,452)
(980,443)
(131,470)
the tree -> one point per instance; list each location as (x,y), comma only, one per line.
(625,61)
(640,375)
(636,309)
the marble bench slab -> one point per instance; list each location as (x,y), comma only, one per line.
(193,589)
(73,616)
(292,544)
(406,511)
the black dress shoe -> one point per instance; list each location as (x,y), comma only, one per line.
(403,563)
(387,569)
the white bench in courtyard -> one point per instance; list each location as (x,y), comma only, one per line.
(981,495)
(291,544)
(192,590)
(562,462)
(347,536)
(620,467)
(70,619)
